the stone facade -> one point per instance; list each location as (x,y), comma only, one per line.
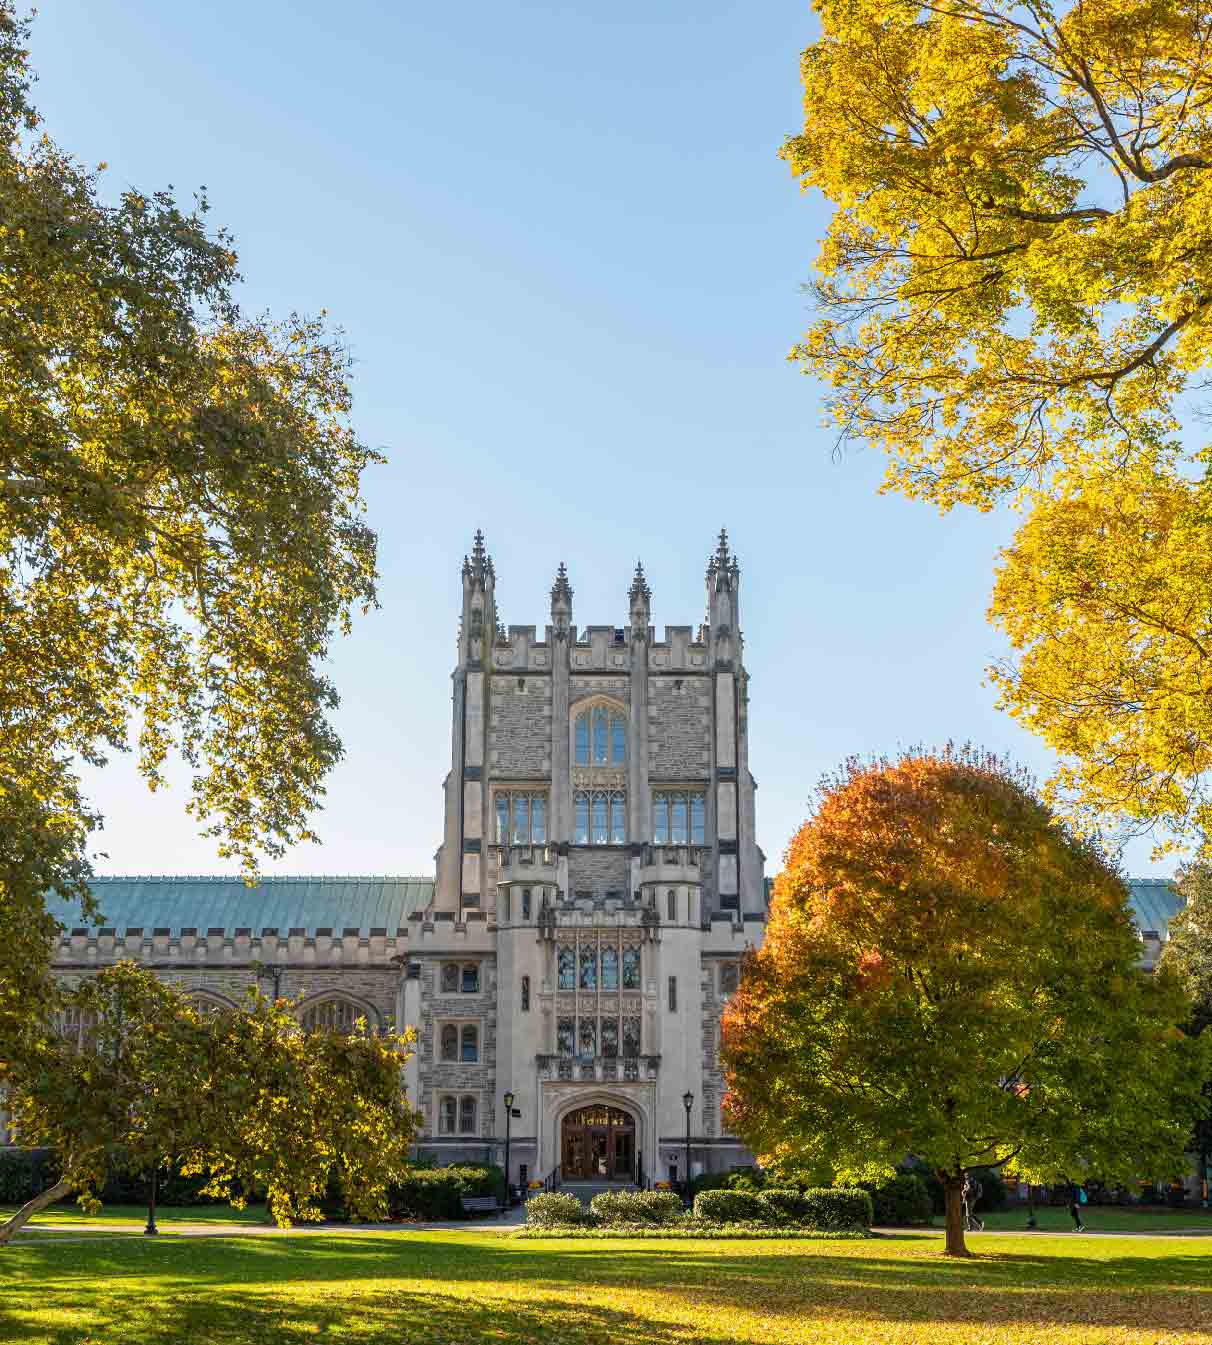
(597,869)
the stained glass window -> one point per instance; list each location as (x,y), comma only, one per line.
(631,968)
(565,1036)
(589,967)
(588,1036)
(631,1036)
(568,968)
(610,1038)
(610,968)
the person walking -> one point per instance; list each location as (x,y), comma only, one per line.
(1076,1200)
(971,1194)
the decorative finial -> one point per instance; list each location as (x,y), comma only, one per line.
(561,590)
(639,586)
(478,567)
(723,566)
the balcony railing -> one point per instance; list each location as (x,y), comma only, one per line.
(599,1068)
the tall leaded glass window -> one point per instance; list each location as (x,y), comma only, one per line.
(600,817)
(599,737)
(521,817)
(678,818)
(598,973)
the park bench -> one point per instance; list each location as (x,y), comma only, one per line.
(482,1205)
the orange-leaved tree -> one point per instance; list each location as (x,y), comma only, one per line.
(949,973)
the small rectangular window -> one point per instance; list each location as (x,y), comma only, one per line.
(673,994)
(526,903)
(673,904)
(467,1116)
(525,994)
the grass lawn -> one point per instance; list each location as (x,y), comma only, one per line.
(443,1288)
(1100,1218)
(66,1216)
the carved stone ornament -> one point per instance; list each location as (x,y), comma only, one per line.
(599,777)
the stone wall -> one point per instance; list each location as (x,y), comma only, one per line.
(456,1077)
(679,728)
(598,869)
(519,726)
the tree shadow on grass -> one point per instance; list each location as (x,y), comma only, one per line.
(374,1288)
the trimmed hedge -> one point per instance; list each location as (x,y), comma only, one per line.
(690,1228)
(905,1200)
(648,1208)
(824,1209)
(554,1209)
(437,1193)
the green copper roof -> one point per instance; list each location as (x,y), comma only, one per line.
(202,904)
(1155,902)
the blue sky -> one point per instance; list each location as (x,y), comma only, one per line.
(568,263)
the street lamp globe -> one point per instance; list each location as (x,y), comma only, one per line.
(688,1100)
(509,1101)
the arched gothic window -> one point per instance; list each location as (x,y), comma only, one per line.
(600,737)
(450,1042)
(471,1045)
(450,979)
(332,1015)
(467,1116)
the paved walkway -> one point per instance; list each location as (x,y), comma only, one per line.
(511,1220)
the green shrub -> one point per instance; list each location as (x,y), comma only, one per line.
(728,1207)
(739,1179)
(782,1205)
(437,1193)
(825,1209)
(24,1173)
(835,1207)
(615,1208)
(904,1200)
(554,1209)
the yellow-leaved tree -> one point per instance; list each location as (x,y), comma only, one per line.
(1014,298)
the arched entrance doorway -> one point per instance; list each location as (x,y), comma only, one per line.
(598,1144)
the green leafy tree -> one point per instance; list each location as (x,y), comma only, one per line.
(181,528)
(948,973)
(242,1095)
(1013,299)
(1188,954)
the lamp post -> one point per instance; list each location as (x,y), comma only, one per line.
(264,969)
(151,1230)
(508,1119)
(688,1102)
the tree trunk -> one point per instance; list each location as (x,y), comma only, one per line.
(953,1190)
(31,1207)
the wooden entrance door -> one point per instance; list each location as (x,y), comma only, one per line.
(598,1144)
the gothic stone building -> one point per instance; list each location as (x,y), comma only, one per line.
(597,883)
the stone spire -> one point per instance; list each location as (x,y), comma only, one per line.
(561,604)
(723,567)
(477,568)
(639,586)
(640,598)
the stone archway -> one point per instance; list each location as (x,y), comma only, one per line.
(599,1142)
